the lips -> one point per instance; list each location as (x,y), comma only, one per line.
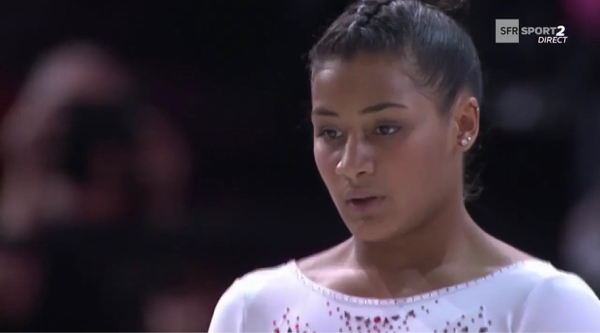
(360,201)
(364,203)
(360,193)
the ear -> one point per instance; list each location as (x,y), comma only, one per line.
(465,119)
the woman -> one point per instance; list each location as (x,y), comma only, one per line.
(396,87)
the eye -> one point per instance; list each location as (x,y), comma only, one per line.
(330,134)
(387,129)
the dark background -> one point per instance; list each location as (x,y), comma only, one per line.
(233,75)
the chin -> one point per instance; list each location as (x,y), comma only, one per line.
(371,228)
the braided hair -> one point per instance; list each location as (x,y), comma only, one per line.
(440,51)
(444,54)
(367,10)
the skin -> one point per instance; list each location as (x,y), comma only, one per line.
(378,134)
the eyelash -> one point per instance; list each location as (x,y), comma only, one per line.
(393,128)
(323,133)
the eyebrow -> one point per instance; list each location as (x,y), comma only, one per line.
(321,111)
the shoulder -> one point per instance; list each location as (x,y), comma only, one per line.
(231,309)
(558,301)
(245,288)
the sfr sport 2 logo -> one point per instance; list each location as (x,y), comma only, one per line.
(508,31)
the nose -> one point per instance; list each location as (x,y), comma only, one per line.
(356,160)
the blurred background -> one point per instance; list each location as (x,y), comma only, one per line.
(153,152)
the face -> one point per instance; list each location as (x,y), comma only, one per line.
(386,154)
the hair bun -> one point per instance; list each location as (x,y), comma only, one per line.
(447,5)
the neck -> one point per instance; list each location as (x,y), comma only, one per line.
(445,238)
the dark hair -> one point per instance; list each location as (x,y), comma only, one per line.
(444,57)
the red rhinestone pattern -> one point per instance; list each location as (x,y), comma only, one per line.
(289,323)
(359,323)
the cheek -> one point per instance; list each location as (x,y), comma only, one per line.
(414,162)
(325,159)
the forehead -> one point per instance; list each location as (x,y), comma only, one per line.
(364,77)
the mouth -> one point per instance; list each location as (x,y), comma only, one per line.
(365,204)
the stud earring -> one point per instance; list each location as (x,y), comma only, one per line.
(465,141)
